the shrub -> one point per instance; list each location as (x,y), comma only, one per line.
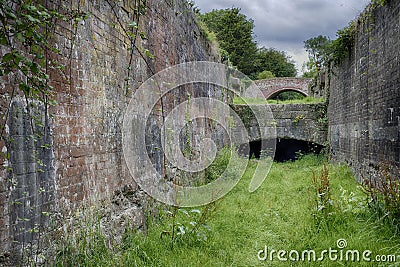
(383,194)
(321,199)
(266,74)
(219,165)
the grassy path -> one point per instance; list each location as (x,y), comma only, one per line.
(278,215)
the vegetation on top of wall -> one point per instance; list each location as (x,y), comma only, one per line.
(318,49)
(379,2)
(323,51)
(342,46)
(211,37)
(234,32)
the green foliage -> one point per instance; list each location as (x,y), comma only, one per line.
(188,225)
(298,118)
(82,245)
(319,49)
(277,62)
(379,2)
(266,74)
(304,100)
(342,46)
(219,164)
(225,57)
(258,101)
(234,32)
(249,101)
(26,34)
(310,69)
(383,194)
(210,36)
(321,113)
(323,51)
(321,196)
(351,202)
(319,53)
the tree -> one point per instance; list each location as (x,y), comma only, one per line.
(277,62)
(319,48)
(309,69)
(266,74)
(234,32)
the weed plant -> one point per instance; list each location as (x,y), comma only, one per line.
(383,195)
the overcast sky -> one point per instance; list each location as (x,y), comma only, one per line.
(285,24)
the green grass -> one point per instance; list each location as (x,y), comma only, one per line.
(278,215)
(305,100)
(250,101)
(258,101)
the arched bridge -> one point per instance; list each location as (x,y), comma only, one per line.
(274,86)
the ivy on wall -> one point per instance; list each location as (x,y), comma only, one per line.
(28,56)
(131,30)
(342,46)
(27,31)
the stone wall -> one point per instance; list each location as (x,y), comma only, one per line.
(82,162)
(364,103)
(306,122)
(301,121)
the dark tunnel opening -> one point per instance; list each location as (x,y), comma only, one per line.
(286,149)
(291,149)
(255,149)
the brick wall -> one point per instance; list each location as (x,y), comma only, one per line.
(84,163)
(364,104)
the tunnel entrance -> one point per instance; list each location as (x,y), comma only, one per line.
(286,149)
(255,149)
(291,149)
(289,94)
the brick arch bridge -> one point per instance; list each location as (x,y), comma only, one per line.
(274,86)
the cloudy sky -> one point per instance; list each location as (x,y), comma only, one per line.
(285,24)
